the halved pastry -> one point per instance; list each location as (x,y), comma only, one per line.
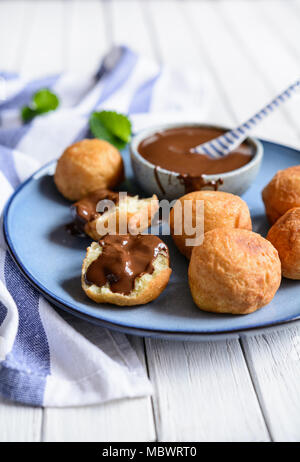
(104,211)
(126,270)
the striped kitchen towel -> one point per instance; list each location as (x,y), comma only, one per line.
(46,358)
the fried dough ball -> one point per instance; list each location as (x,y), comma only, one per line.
(145,286)
(221,210)
(234,271)
(285,236)
(88,165)
(282,193)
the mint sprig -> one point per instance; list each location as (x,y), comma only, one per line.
(112,127)
(42,101)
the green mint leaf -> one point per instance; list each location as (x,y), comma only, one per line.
(42,101)
(27,114)
(112,127)
(100,131)
(118,124)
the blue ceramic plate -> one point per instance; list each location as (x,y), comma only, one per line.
(51,259)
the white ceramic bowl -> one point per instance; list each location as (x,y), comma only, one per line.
(169,186)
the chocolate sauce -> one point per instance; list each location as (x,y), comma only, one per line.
(172,150)
(194,183)
(85,209)
(123,259)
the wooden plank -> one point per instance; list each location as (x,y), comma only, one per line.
(125,420)
(85,35)
(129,26)
(115,421)
(272,60)
(203,392)
(199,387)
(283,21)
(43,53)
(274,361)
(11,36)
(19,423)
(238,75)
(169,24)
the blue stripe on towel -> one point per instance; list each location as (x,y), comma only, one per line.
(114,80)
(23,374)
(141,99)
(24,95)
(7,166)
(8,75)
(3,313)
(21,386)
(12,137)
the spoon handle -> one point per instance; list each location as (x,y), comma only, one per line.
(226,143)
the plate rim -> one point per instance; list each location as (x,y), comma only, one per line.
(57,301)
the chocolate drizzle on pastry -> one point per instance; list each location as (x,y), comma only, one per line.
(123,259)
(85,209)
(194,183)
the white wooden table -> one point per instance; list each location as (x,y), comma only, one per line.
(247,390)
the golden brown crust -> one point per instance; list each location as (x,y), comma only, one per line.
(149,288)
(282,193)
(234,271)
(86,166)
(221,210)
(285,236)
(135,219)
